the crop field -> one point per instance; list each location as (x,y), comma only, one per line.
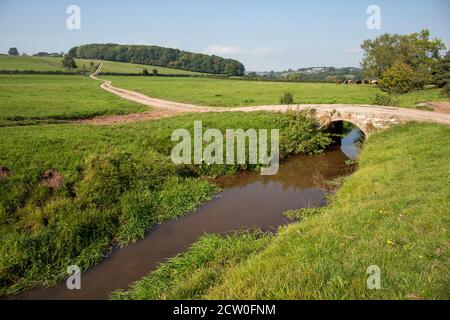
(233,93)
(54,64)
(46,98)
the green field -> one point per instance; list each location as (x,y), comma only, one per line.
(46,98)
(231,93)
(392,213)
(37,63)
(54,64)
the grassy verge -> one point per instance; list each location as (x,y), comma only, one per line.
(393,213)
(29,99)
(232,93)
(119,181)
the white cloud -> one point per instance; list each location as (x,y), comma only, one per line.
(266,51)
(236,50)
(219,49)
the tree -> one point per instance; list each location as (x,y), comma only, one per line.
(68,62)
(155,71)
(158,56)
(145,72)
(399,78)
(441,71)
(13,52)
(416,50)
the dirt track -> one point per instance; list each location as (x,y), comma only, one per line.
(165,108)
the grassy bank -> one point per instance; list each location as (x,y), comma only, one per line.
(28,99)
(119,181)
(231,93)
(393,213)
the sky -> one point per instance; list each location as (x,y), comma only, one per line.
(264,35)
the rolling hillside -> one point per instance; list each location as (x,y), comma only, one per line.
(41,64)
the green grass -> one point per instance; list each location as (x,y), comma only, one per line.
(119,181)
(38,63)
(54,64)
(393,213)
(39,98)
(231,93)
(189,275)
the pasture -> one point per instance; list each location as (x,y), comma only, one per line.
(26,99)
(26,63)
(233,93)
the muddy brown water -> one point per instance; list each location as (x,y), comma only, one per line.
(248,200)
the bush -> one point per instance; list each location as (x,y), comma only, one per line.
(382,99)
(301,133)
(446,90)
(441,71)
(400,78)
(145,72)
(287,98)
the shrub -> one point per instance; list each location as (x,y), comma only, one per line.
(441,71)
(145,72)
(400,78)
(287,98)
(301,133)
(446,90)
(382,99)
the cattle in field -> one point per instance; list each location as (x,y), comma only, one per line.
(359,82)
(366,82)
(338,81)
(373,82)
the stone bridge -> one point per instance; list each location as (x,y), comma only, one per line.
(367,117)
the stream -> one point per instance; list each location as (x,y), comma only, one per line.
(248,200)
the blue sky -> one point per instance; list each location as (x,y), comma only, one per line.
(264,35)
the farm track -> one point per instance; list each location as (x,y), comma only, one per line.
(164,108)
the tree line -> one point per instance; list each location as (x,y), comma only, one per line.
(407,62)
(159,56)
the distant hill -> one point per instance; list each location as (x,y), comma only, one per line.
(159,56)
(312,74)
(44,63)
(323,74)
